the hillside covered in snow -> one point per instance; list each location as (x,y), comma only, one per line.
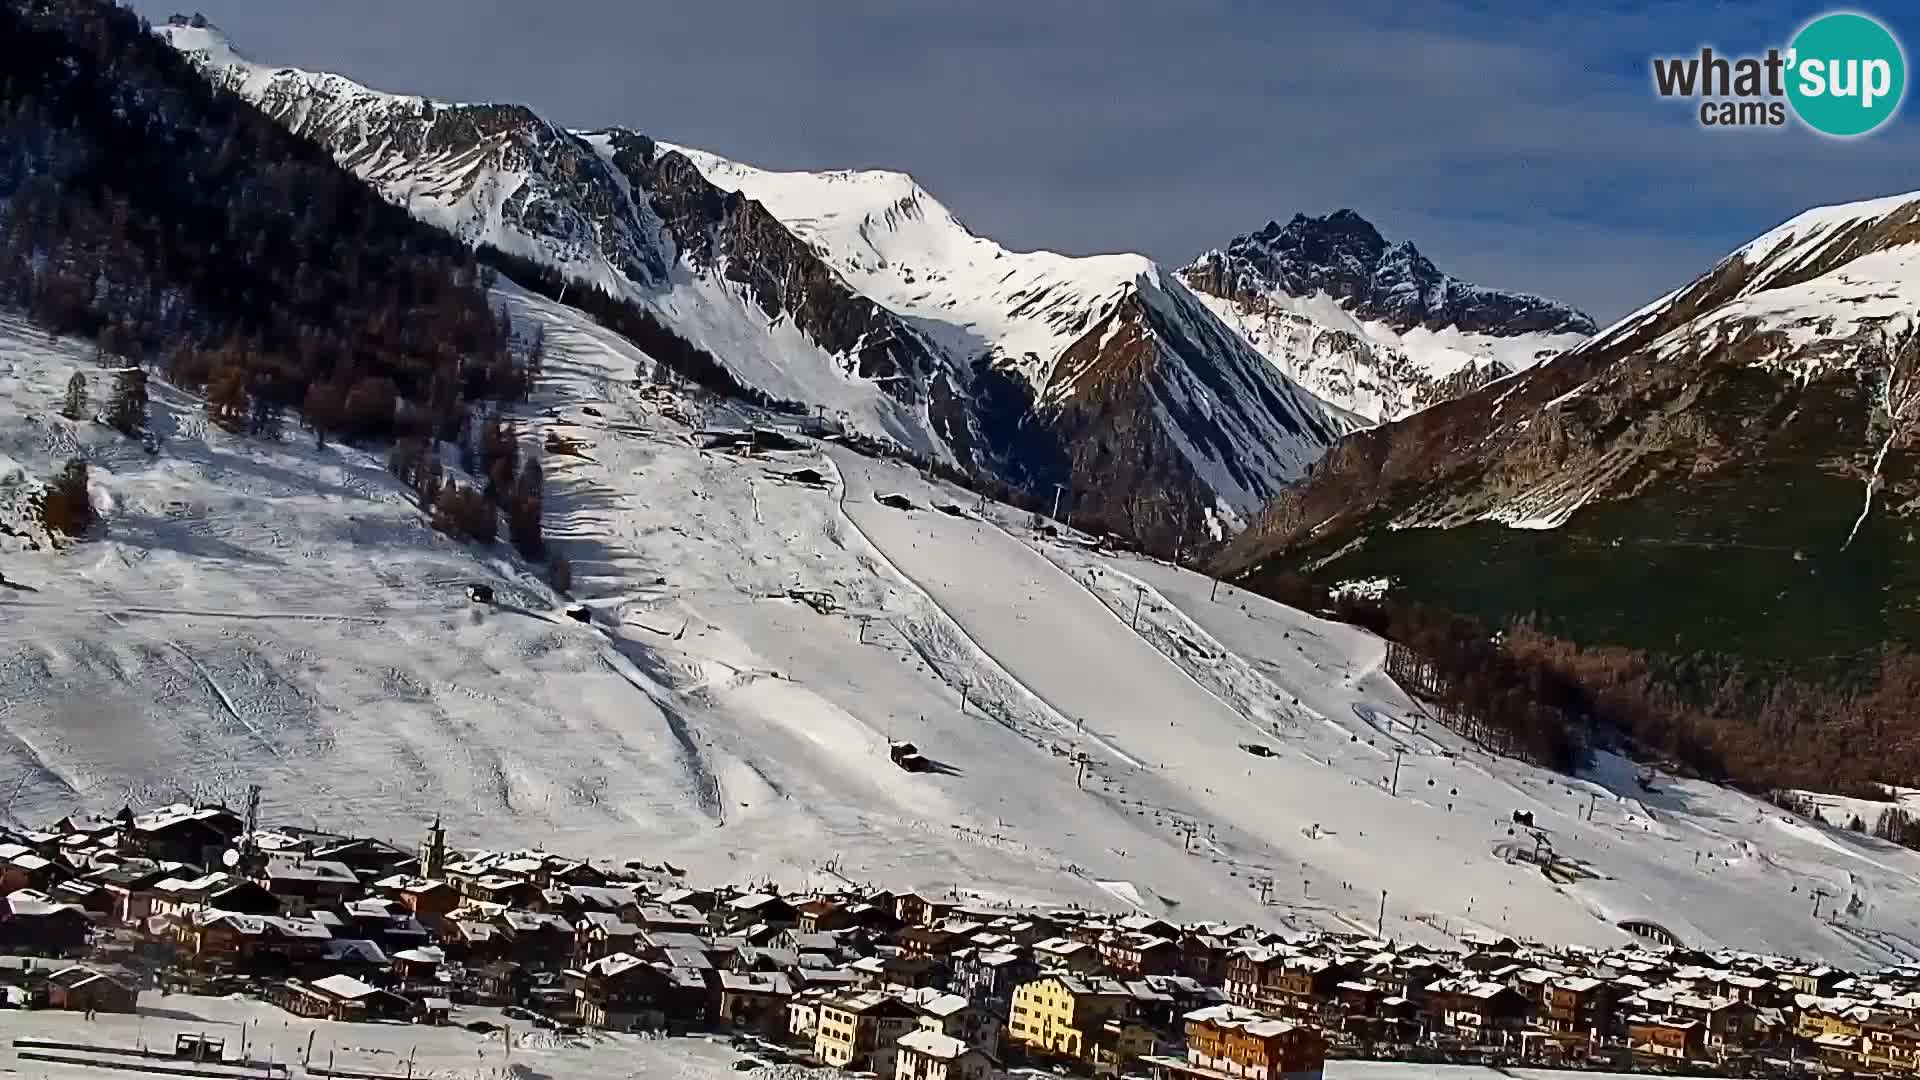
(854,294)
(753,615)
(252,610)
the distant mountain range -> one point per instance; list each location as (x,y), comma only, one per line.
(1169,405)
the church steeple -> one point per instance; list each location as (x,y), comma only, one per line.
(433,855)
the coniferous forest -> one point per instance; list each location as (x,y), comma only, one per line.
(1530,694)
(183,231)
(178,226)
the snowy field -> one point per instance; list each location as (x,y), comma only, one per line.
(283,614)
(442,1053)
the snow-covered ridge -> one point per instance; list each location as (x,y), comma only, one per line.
(896,243)
(1058,320)
(856,292)
(1372,327)
(1366,367)
(501,175)
(1805,292)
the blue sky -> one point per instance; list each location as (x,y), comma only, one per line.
(1518,145)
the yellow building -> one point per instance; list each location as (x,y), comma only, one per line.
(1065,1015)
(859,1031)
(1814,1022)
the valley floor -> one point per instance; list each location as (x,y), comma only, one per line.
(281,614)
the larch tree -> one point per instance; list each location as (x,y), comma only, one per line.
(127,408)
(75,407)
(64,506)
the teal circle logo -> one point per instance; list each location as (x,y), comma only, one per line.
(1847,74)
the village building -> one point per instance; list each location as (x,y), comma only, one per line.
(755,1000)
(339,997)
(1891,1045)
(181,897)
(930,1055)
(1140,953)
(1062,954)
(192,835)
(989,977)
(821,915)
(1228,1041)
(130,890)
(261,944)
(1063,1015)
(1666,1037)
(34,923)
(858,1032)
(620,992)
(84,989)
(429,900)
(758,909)
(603,933)
(303,885)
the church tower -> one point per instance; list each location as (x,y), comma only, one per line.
(433,854)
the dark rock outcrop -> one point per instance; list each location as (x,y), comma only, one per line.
(1343,255)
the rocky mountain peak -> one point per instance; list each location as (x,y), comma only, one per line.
(1344,256)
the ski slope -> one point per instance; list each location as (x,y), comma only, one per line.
(281,614)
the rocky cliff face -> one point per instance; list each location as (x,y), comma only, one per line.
(1373,327)
(1734,464)
(1345,257)
(853,292)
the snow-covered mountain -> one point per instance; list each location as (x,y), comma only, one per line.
(852,292)
(258,611)
(1372,327)
(1749,441)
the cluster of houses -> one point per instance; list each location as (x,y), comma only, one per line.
(898,984)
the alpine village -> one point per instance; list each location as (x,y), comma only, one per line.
(196,899)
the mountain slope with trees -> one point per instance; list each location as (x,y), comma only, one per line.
(1702,519)
(180,229)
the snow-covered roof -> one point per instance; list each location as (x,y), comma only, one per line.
(1236,1018)
(345,986)
(932,1044)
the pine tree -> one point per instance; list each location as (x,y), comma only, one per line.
(127,408)
(76,404)
(323,408)
(537,352)
(266,421)
(524,511)
(560,574)
(65,506)
(465,513)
